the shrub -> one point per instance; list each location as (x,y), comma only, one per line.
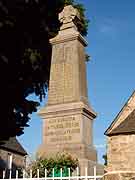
(57,162)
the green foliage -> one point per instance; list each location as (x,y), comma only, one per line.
(84,21)
(105,159)
(87,57)
(57,162)
(68,2)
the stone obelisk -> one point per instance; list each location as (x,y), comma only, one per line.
(68,117)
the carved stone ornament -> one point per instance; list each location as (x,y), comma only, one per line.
(68,15)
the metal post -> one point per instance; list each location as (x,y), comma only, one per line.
(61,173)
(3,176)
(16,174)
(53,173)
(86,173)
(38,173)
(45,173)
(77,173)
(69,173)
(95,173)
(30,173)
(10,174)
(23,173)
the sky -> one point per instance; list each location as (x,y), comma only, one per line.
(110,73)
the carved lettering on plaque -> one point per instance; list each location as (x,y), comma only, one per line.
(62,129)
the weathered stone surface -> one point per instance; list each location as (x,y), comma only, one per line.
(119,176)
(111,177)
(68,123)
(85,163)
(67,17)
(68,127)
(121,147)
(68,117)
(121,153)
(121,144)
(68,73)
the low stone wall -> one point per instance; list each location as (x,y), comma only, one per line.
(119,176)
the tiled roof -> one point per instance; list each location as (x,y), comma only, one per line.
(14,146)
(109,129)
(126,127)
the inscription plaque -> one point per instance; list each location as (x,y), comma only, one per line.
(61,88)
(62,129)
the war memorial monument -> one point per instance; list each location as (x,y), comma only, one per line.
(68,116)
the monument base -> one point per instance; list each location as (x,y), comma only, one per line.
(86,155)
(68,128)
(119,176)
(90,165)
(79,151)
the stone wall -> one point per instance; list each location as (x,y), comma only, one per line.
(121,153)
(119,176)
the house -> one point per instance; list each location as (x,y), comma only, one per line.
(121,140)
(12,155)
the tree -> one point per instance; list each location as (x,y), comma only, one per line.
(62,160)
(25,54)
(105,159)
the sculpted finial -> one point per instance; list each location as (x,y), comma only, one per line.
(67,17)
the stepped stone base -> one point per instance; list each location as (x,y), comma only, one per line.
(85,163)
(87,156)
(120,176)
(68,128)
(79,151)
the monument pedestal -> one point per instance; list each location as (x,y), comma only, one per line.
(68,128)
(79,151)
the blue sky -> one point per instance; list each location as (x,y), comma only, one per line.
(111,71)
